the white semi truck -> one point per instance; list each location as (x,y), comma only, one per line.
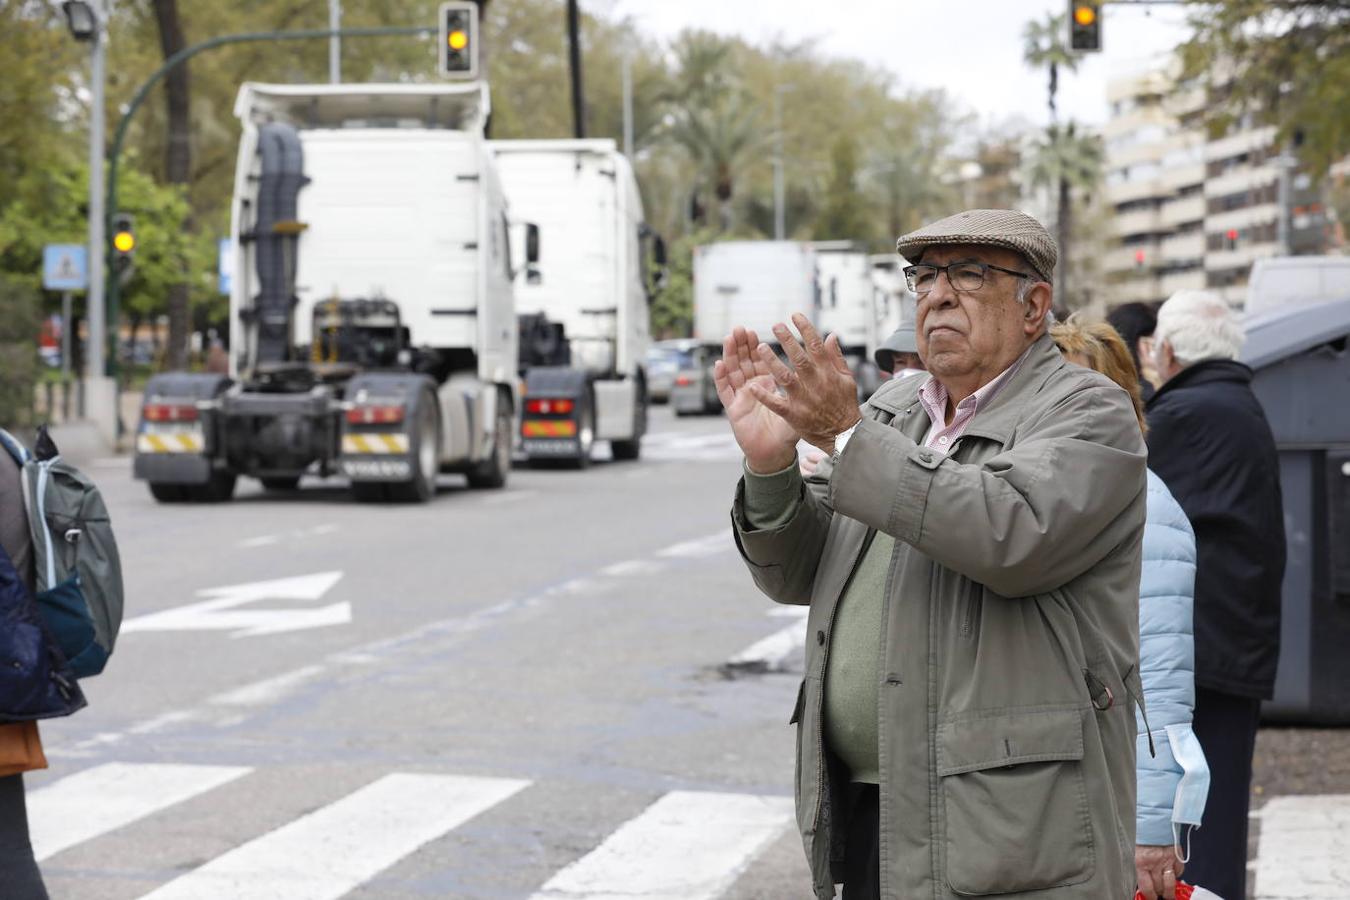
(848,309)
(373,326)
(754,284)
(583,304)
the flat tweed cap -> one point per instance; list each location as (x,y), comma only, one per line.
(1007,228)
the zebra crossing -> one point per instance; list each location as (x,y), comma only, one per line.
(690,845)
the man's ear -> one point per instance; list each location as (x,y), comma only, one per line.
(1037,306)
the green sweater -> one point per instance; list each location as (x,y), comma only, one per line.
(853,666)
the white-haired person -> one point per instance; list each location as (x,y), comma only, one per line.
(1209,441)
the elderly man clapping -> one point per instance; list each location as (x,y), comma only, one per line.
(972,568)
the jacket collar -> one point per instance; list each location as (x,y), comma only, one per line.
(997,421)
(1206,371)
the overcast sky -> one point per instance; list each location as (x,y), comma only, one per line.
(972,48)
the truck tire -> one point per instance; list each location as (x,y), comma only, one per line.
(218,490)
(585,433)
(168,493)
(281,484)
(425,444)
(493,471)
(632,449)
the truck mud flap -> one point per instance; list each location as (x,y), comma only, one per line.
(377,444)
(176,441)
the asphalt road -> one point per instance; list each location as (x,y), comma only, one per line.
(501,694)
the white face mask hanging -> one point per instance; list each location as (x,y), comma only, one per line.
(1188,807)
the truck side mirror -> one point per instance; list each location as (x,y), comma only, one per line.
(531,243)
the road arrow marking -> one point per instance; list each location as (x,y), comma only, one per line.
(219,611)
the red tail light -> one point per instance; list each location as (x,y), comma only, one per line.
(546,406)
(375,415)
(683,380)
(170,412)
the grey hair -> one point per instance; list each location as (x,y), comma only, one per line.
(1198,325)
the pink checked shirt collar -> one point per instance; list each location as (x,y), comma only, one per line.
(933,397)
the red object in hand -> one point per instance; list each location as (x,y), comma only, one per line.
(1187,892)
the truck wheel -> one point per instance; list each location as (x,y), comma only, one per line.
(493,471)
(585,433)
(168,493)
(426,456)
(368,491)
(218,490)
(281,484)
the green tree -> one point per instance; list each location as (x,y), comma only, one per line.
(1066,161)
(845,213)
(1044,47)
(18,351)
(1284,63)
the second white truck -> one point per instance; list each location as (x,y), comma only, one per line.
(583,306)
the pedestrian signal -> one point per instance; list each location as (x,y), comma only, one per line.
(458,27)
(123,241)
(1085,25)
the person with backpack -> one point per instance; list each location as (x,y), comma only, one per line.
(20,745)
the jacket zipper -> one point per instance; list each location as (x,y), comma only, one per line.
(824,663)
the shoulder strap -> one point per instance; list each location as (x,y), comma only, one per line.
(15,449)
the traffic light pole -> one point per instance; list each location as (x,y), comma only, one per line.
(182,56)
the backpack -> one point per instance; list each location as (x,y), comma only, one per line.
(79,574)
(36,682)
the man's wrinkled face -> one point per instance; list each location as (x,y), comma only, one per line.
(963,332)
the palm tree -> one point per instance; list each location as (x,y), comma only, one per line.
(713,118)
(1066,160)
(1045,47)
(909,178)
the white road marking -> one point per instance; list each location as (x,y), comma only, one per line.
(1304,848)
(99,800)
(631,567)
(269,690)
(262,540)
(329,852)
(718,542)
(773,652)
(267,540)
(786,611)
(685,846)
(219,613)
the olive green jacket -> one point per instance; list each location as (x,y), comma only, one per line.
(1011,647)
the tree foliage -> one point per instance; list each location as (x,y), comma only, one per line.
(1284,63)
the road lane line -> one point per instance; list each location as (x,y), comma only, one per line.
(269,690)
(773,652)
(107,797)
(785,611)
(1304,849)
(331,851)
(631,567)
(718,542)
(686,846)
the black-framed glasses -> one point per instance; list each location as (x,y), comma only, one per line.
(967,275)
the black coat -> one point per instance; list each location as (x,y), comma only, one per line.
(1210,442)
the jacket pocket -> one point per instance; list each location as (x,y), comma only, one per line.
(1016,808)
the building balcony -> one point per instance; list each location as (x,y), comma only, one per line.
(1244,178)
(1125,260)
(1193,280)
(1145,289)
(1242,142)
(1174,178)
(1187,209)
(1244,217)
(1145,221)
(1182,247)
(1241,257)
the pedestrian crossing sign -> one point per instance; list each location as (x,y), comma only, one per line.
(65,267)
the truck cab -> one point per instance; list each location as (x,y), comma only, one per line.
(582,304)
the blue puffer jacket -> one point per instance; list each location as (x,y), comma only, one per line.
(1167,669)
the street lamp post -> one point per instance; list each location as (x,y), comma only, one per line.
(86,22)
(779,225)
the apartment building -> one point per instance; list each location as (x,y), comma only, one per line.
(1190,212)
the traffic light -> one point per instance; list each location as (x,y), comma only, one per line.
(458,26)
(1085,25)
(123,241)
